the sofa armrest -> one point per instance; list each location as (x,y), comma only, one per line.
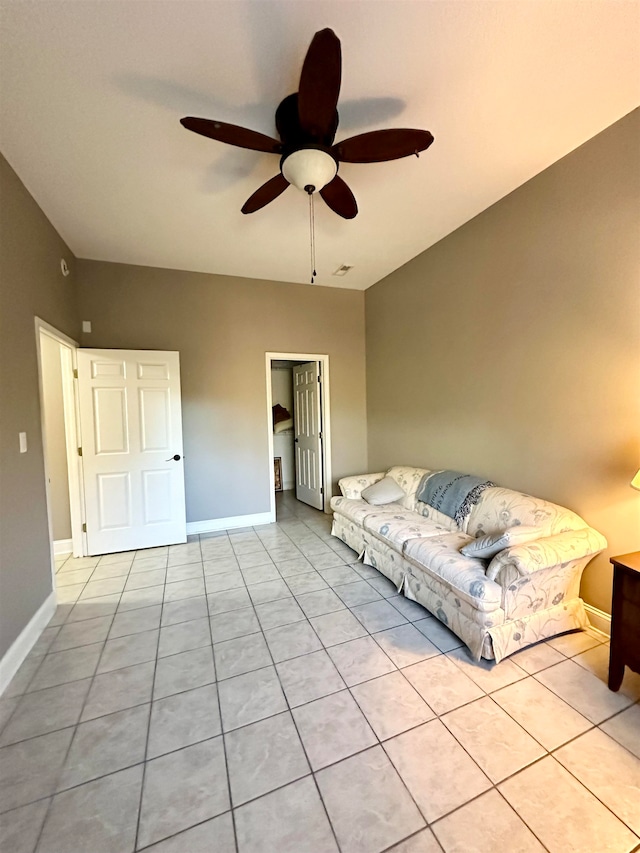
(514,563)
(352,487)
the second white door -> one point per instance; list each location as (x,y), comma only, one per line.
(308,434)
(131,428)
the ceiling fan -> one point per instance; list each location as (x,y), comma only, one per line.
(307,122)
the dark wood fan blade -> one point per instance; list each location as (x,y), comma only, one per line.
(380,145)
(242,137)
(266,193)
(339,198)
(320,86)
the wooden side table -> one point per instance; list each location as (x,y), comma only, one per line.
(625,618)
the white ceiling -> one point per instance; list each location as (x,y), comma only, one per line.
(91,95)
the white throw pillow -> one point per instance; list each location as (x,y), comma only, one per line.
(486,547)
(385,491)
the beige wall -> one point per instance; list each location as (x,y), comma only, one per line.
(55,438)
(511,349)
(222,327)
(30,284)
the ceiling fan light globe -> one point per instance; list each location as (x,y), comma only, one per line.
(309,168)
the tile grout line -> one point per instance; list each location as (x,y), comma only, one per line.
(58,777)
(301,741)
(413,835)
(224,745)
(153,686)
(593,793)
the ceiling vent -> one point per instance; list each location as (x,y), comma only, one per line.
(343,269)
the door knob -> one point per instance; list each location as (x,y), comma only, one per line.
(175,458)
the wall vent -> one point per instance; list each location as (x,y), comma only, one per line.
(343,269)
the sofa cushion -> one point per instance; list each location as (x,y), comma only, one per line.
(486,547)
(499,509)
(358,510)
(398,528)
(385,491)
(440,556)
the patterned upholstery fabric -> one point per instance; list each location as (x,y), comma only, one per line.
(349,532)
(409,480)
(446,607)
(522,560)
(440,555)
(516,634)
(358,510)
(500,508)
(543,589)
(387,560)
(402,526)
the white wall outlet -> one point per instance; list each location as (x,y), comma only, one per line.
(23,442)
(86,326)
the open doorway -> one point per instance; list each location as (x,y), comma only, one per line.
(56,362)
(299,428)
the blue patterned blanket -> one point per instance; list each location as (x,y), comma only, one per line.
(452,493)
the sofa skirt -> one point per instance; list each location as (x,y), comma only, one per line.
(516,634)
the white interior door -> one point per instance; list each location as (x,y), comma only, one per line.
(131,435)
(308,434)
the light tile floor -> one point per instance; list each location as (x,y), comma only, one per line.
(260,691)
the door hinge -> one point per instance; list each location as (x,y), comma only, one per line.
(79,451)
(320,436)
(321,490)
(84,528)
(75,372)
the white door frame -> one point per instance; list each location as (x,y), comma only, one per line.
(325,397)
(68,349)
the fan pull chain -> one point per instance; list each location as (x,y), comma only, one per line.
(312,236)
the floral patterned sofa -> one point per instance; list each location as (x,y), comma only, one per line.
(526,593)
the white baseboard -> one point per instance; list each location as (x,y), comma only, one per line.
(25,641)
(62,546)
(600,620)
(215,524)
(288,485)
